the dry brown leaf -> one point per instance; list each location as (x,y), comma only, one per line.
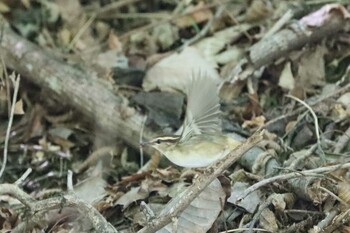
(19,108)
(202,212)
(311,71)
(139,193)
(284,201)
(250,202)
(253,109)
(92,189)
(131,196)
(114,43)
(256,122)
(345,229)
(290,125)
(268,220)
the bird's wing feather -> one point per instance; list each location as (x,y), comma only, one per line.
(203,107)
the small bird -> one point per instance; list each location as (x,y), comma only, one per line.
(201,141)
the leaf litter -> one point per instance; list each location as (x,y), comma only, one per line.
(297,179)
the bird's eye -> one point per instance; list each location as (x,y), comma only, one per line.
(158,141)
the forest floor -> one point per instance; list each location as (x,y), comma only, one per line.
(83,83)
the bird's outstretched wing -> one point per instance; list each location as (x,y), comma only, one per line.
(203,107)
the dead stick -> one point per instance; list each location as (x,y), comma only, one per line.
(73,86)
(280,44)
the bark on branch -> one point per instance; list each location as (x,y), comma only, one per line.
(73,86)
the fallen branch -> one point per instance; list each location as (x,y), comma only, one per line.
(72,86)
(39,208)
(281,43)
(16,81)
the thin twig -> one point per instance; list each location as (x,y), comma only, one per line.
(114,6)
(297,111)
(312,172)
(24,176)
(81,31)
(141,136)
(14,191)
(312,113)
(174,17)
(70,181)
(317,128)
(8,131)
(334,196)
(301,156)
(7,83)
(138,15)
(245,229)
(280,23)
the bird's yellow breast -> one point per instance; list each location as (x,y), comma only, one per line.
(201,150)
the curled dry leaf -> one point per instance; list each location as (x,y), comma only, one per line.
(135,194)
(268,220)
(323,15)
(284,201)
(139,193)
(311,70)
(174,72)
(250,202)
